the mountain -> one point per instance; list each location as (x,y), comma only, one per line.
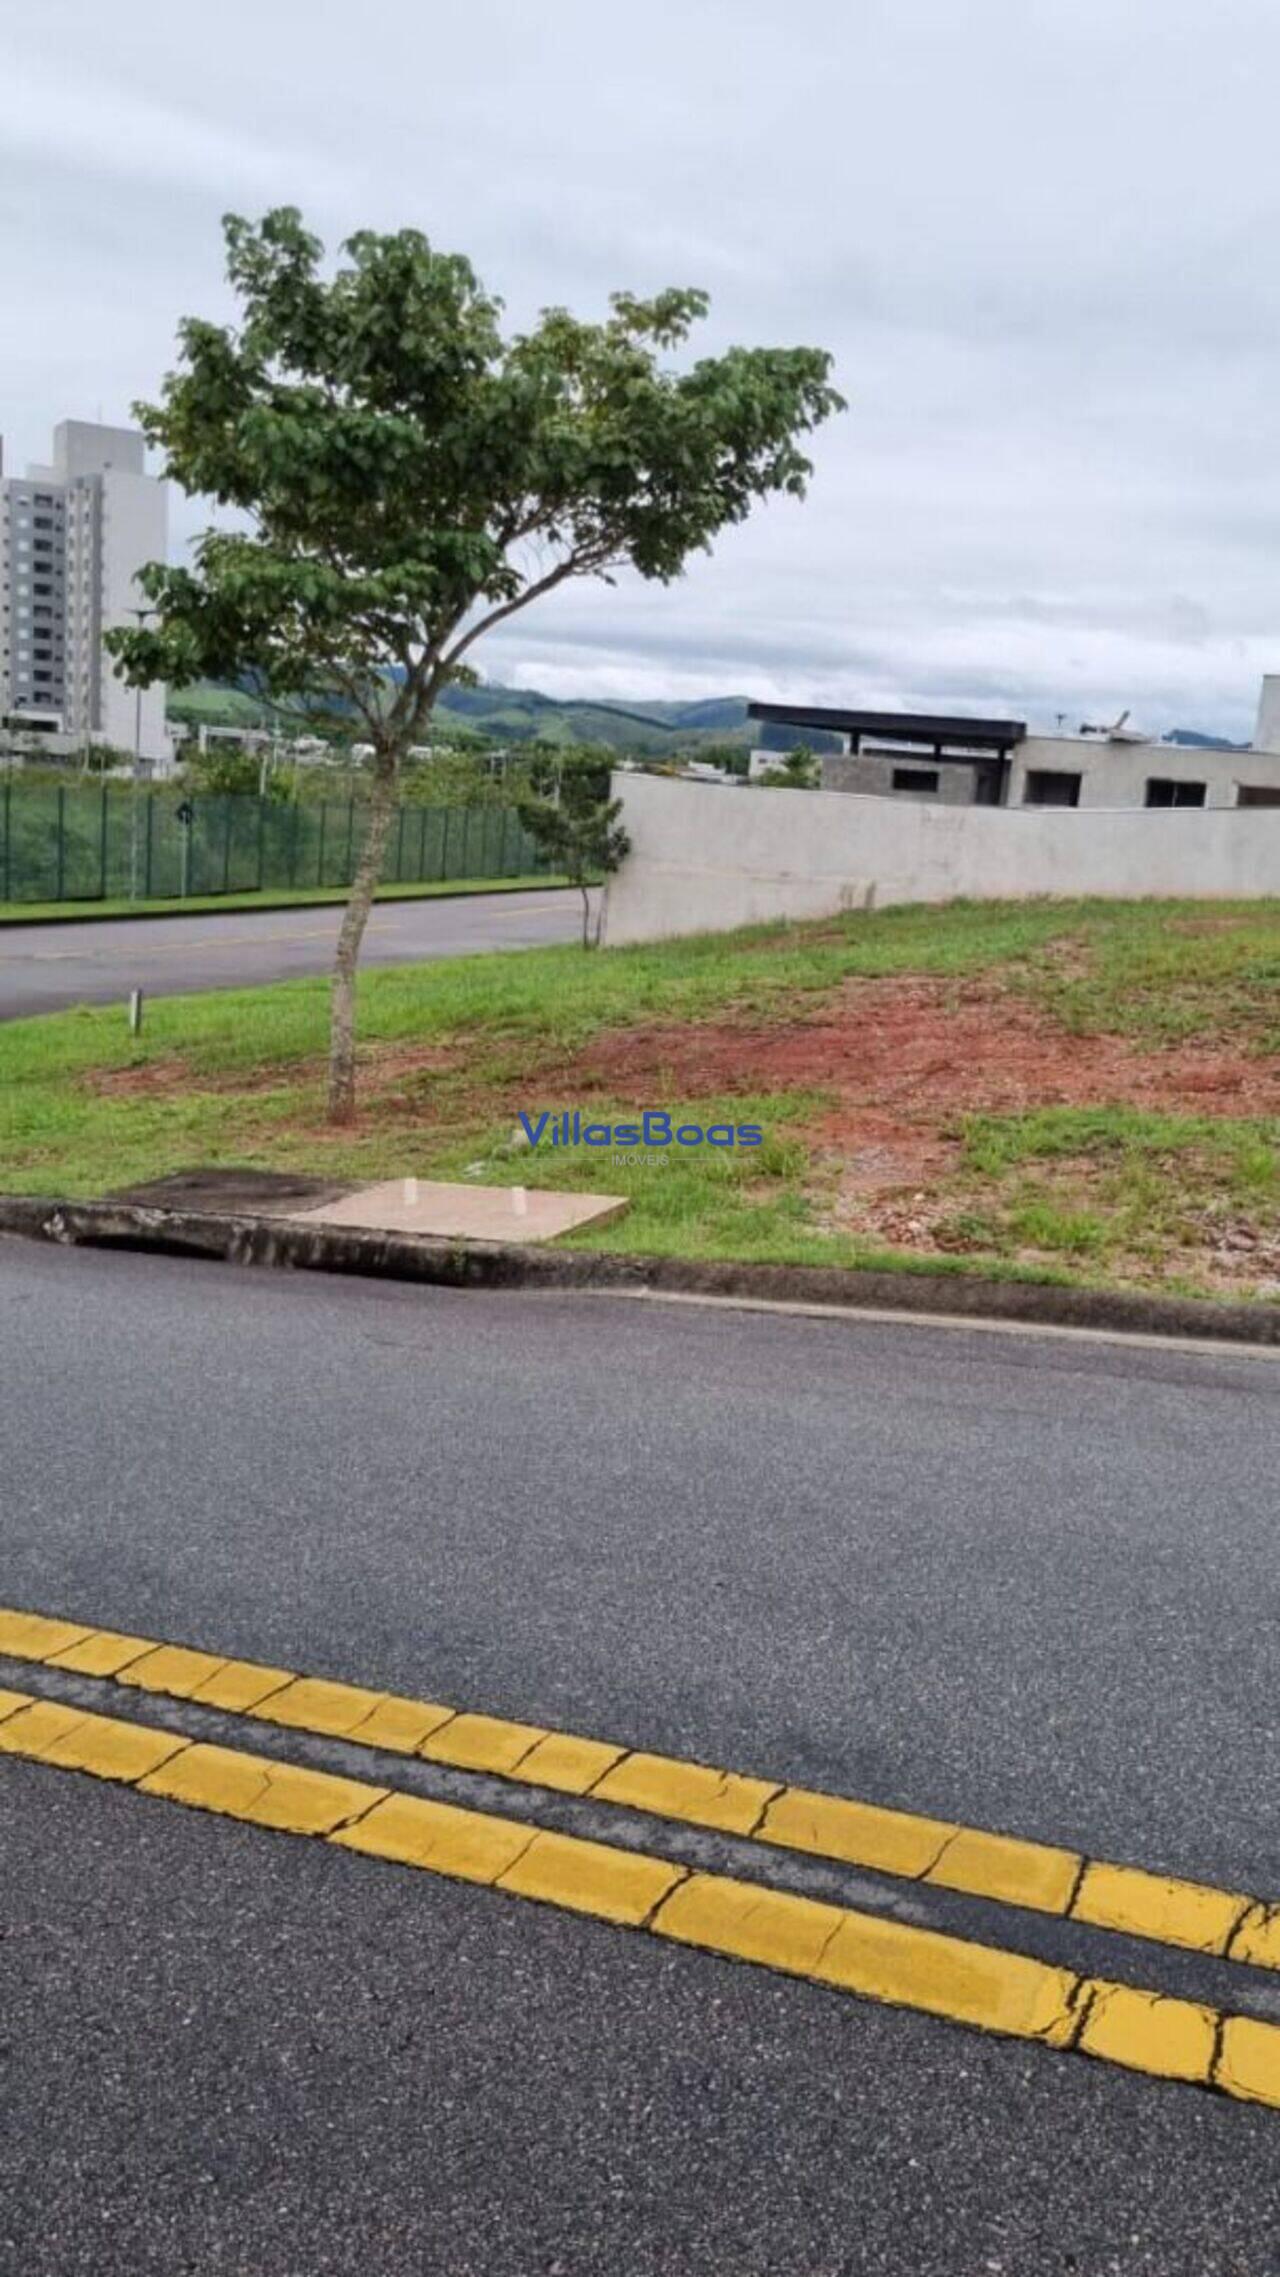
(522,715)
(518,715)
(654,730)
(1191,739)
(716,713)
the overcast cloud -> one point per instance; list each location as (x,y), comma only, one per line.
(1038,236)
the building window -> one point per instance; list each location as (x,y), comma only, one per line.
(1168,790)
(1258,794)
(1051,786)
(919,779)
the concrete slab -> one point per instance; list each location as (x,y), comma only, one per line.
(469,1213)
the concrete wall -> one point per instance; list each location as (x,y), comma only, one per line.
(705,860)
(872,773)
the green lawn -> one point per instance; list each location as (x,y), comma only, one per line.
(1116,1192)
(301,897)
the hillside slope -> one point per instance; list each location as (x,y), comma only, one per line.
(522,715)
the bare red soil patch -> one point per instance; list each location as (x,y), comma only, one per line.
(383,1068)
(907,1047)
(149,1079)
(900,1059)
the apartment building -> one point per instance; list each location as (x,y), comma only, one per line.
(73,536)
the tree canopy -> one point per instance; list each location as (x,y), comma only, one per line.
(409,477)
(567,808)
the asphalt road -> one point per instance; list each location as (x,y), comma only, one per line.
(45,968)
(1014,1579)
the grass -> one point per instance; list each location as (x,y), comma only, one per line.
(1164,971)
(301,897)
(1120,1187)
(452,1049)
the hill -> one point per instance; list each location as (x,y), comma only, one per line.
(496,714)
(1191,739)
(519,715)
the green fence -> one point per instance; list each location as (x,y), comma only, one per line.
(103,844)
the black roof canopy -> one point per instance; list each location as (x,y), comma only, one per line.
(936,728)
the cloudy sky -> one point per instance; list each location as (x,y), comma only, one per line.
(1038,236)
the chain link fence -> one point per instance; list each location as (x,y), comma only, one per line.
(99,843)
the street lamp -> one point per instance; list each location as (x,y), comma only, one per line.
(135,818)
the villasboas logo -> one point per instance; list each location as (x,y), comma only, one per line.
(656,1128)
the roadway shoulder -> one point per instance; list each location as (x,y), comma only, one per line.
(277,1241)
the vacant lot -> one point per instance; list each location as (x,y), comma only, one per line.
(1074,1089)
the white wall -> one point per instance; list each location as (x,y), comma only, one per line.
(1266,733)
(134,531)
(705,860)
(82,446)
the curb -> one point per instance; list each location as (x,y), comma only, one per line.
(289,1244)
(89,913)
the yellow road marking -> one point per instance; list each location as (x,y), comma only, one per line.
(286,1796)
(1031,1874)
(1145,2032)
(858,1834)
(1007,1869)
(477,1743)
(49,1732)
(101,1653)
(688,1791)
(1177,1913)
(469,1846)
(830,1945)
(886,1960)
(33,1636)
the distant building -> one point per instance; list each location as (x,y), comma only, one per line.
(73,537)
(956,761)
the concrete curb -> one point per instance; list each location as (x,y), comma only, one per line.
(89,913)
(286,1243)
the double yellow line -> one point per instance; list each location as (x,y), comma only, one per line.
(838,1946)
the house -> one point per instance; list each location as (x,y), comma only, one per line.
(955,760)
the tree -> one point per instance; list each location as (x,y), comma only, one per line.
(797,770)
(235,771)
(567,809)
(730,758)
(412,479)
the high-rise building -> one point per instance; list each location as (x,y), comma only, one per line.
(73,537)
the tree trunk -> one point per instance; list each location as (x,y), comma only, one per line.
(586,916)
(342,998)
